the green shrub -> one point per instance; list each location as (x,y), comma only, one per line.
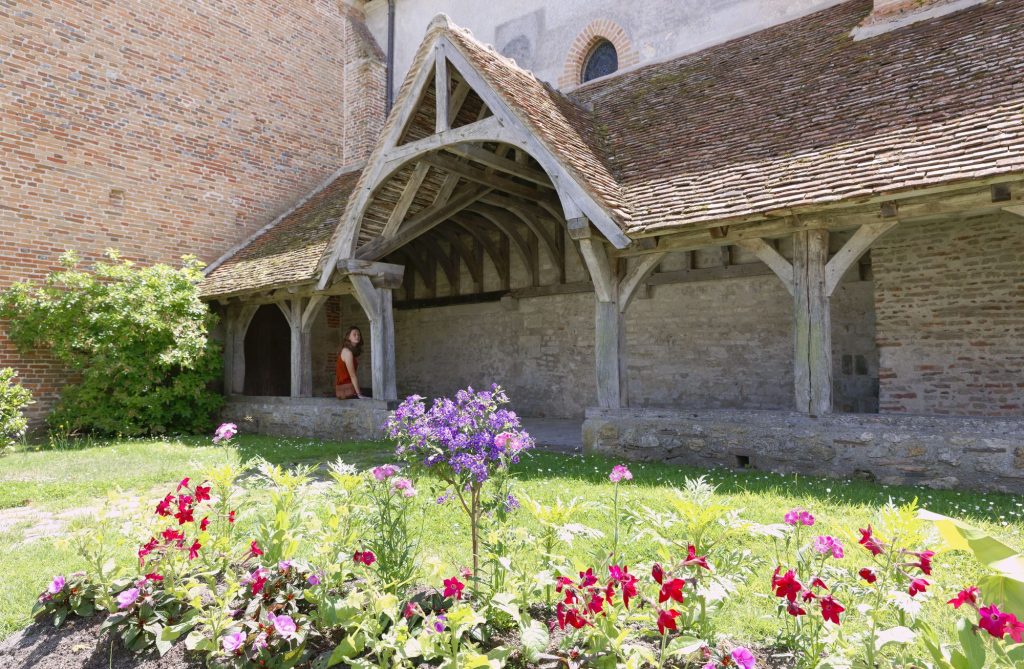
(135,339)
(13,398)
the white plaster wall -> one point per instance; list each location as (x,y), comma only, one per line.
(657,29)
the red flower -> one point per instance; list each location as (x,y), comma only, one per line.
(183,484)
(184,515)
(203,524)
(917,585)
(364,557)
(410,610)
(569,616)
(154,577)
(693,560)
(453,587)
(1014,627)
(667,620)
(561,582)
(673,590)
(596,604)
(924,562)
(259,579)
(254,549)
(830,609)
(992,621)
(170,535)
(587,578)
(869,542)
(146,549)
(628,582)
(164,507)
(794,609)
(657,573)
(787,586)
(193,550)
(968,596)
(868,574)
(818,583)
(202,493)
(231,518)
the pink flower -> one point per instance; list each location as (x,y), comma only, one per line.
(410,610)
(284,565)
(127,598)
(56,585)
(257,579)
(404,486)
(453,588)
(313,579)
(828,544)
(384,472)
(233,642)
(799,516)
(283,625)
(254,549)
(917,585)
(225,432)
(501,440)
(667,620)
(968,596)
(743,658)
(620,473)
(992,621)
(868,541)
(1014,627)
(260,642)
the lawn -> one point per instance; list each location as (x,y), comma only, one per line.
(39,486)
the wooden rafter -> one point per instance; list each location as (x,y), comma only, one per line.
(458,246)
(478,154)
(493,250)
(510,230)
(526,215)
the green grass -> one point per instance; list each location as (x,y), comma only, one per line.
(55,481)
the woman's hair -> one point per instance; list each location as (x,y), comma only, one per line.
(357,349)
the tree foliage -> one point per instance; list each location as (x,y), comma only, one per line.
(13,399)
(135,340)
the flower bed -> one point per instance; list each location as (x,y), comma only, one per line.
(360,595)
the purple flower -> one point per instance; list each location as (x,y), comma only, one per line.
(260,642)
(799,516)
(313,579)
(127,598)
(56,585)
(284,565)
(511,503)
(384,472)
(827,544)
(620,473)
(233,642)
(743,658)
(440,623)
(225,432)
(283,625)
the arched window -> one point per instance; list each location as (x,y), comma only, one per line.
(603,59)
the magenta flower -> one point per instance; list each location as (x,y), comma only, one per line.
(620,473)
(56,585)
(453,588)
(799,516)
(313,579)
(384,472)
(968,596)
(225,432)
(127,598)
(917,585)
(828,544)
(233,642)
(743,658)
(283,625)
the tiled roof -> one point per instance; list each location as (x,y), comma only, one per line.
(560,124)
(802,115)
(288,252)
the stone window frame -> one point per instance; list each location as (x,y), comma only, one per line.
(597,31)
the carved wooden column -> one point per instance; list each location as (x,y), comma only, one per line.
(300,313)
(373,283)
(236,325)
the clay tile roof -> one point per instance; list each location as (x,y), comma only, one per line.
(560,124)
(801,115)
(288,251)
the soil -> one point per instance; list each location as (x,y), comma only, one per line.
(78,644)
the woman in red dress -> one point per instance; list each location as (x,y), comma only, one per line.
(346,381)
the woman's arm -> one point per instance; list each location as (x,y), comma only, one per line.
(349,360)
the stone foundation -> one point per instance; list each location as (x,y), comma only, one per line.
(316,417)
(940,452)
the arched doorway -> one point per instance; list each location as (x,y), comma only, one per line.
(267,357)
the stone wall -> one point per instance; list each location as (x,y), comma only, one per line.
(950,317)
(942,452)
(317,418)
(165,127)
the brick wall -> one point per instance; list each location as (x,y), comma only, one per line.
(164,127)
(950,317)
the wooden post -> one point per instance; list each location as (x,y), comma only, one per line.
(301,348)
(812,372)
(377,304)
(236,325)
(608,326)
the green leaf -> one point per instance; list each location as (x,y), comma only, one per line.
(897,635)
(973,648)
(535,639)
(683,645)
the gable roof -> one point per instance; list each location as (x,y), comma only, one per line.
(802,115)
(287,251)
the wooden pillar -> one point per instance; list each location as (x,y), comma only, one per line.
(377,303)
(299,313)
(812,372)
(236,325)
(608,324)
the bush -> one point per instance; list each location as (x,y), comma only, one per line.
(135,338)
(13,398)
